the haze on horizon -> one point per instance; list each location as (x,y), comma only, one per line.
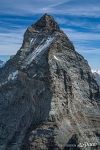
(80,21)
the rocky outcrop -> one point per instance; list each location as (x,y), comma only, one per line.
(49,98)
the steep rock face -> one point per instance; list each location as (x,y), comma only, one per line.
(49,98)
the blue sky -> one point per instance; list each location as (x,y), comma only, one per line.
(79,19)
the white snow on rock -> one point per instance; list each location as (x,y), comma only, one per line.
(38,50)
(96,71)
(32,41)
(56,58)
(34,75)
(13,75)
(97,75)
(3,83)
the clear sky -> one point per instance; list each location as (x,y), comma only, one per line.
(80,19)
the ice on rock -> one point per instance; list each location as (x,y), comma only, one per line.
(13,75)
(38,50)
(32,41)
(96,71)
(56,58)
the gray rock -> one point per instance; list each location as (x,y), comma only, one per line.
(49,98)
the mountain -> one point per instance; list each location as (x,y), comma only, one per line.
(97,76)
(49,98)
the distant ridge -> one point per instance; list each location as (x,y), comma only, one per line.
(4,58)
(97,75)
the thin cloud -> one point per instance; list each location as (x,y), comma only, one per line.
(11,42)
(81,22)
(29,7)
(69,7)
(88,50)
(85,36)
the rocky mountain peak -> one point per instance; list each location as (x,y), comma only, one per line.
(43,32)
(49,99)
(46,22)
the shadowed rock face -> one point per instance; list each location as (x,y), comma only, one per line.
(49,98)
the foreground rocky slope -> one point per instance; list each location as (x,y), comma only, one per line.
(49,98)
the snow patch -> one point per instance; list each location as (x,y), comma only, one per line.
(38,50)
(96,71)
(56,58)
(13,75)
(3,83)
(34,75)
(32,41)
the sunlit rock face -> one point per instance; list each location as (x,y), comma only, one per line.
(49,99)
